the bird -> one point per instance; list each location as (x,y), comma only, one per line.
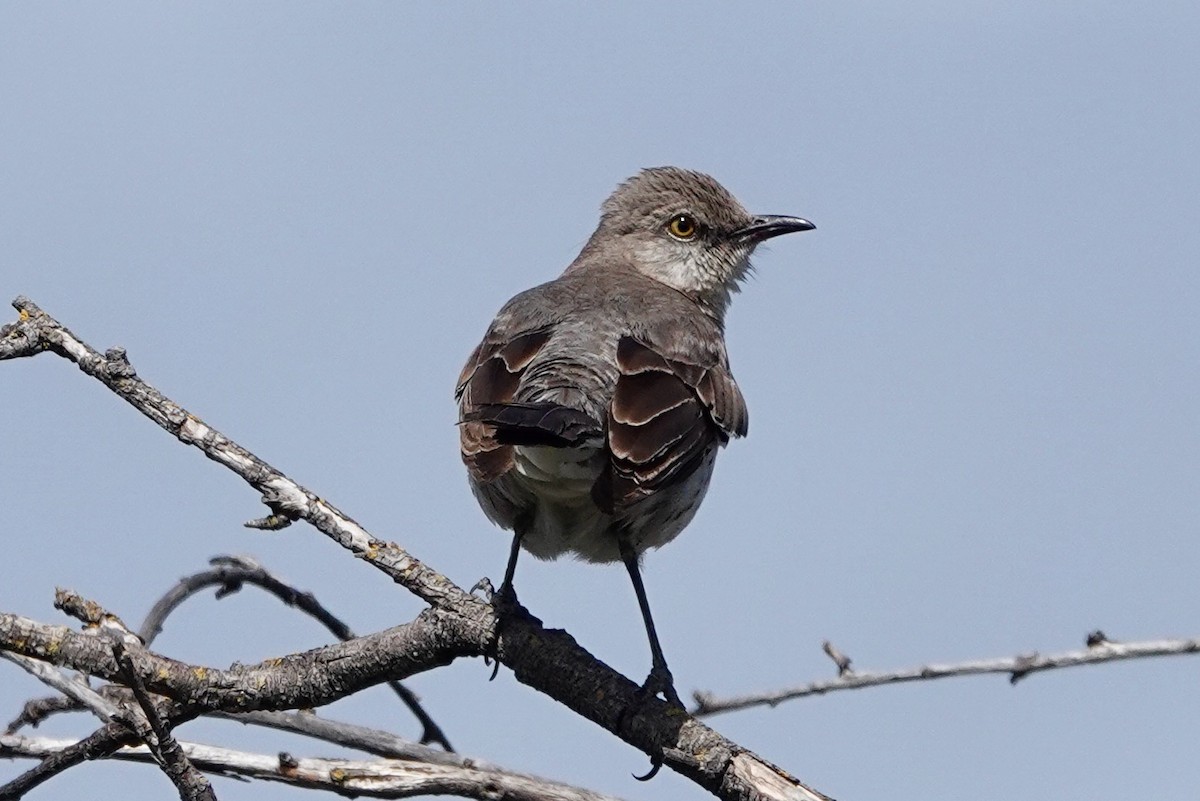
(591,413)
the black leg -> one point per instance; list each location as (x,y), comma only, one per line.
(506,588)
(503,600)
(660,679)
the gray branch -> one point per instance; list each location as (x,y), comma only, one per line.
(1099,651)
(156,733)
(457,624)
(379,778)
(229,573)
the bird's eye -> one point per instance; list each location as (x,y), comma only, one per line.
(683,226)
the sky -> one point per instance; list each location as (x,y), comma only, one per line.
(973,390)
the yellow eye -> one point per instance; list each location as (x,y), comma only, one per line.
(683,226)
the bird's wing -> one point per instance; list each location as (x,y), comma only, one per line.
(486,387)
(668,413)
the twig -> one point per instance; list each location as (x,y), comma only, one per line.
(75,689)
(841,660)
(383,778)
(350,735)
(37,710)
(229,573)
(97,745)
(156,734)
(1100,651)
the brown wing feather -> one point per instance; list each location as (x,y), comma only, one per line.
(490,378)
(665,417)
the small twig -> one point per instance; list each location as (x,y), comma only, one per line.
(95,617)
(229,573)
(80,695)
(351,735)
(1015,667)
(37,710)
(841,660)
(156,734)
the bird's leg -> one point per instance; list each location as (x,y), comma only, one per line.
(660,679)
(503,600)
(506,590)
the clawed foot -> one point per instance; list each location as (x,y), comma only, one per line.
(503,601)
(661,682)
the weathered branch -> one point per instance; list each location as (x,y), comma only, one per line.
(1099,651)
(309,679)
(381,778)
(351,735)
(97,745)
(78,694)
(229,573)
(155,732)
(36,332)
(459,624)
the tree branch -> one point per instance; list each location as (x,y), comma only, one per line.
(98,745)
(383,778)
(312,678)
(1100,650)
(459,624)
(156,734)
(229,573)
(75,689)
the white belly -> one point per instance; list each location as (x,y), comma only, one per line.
(560,474)
(565,516)
(565,519)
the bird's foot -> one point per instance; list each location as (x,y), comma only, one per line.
(661,682)
(504,602)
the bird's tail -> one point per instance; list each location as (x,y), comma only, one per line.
(538,424)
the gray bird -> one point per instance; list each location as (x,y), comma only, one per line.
(591,413)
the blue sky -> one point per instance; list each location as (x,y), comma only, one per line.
(973,389)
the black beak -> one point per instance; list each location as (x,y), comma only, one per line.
(765,226)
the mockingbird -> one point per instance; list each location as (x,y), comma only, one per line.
(591,413)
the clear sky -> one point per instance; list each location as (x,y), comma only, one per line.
(973,390)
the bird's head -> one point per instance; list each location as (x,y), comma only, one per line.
(685,230)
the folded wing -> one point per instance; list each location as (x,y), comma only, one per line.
(666,417)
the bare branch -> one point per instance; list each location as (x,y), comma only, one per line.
(97,745)
(458,625)
(36,332)
(1100,651)
(841,660)
(156,734)
(229,573)
(76,689)
(371,778)
(350,735)
(38,709)
(308,679)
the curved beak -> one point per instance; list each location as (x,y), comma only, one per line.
(765,226)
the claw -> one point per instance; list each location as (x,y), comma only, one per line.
(661,682)
(503,601)
(484,587)
(655,767)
